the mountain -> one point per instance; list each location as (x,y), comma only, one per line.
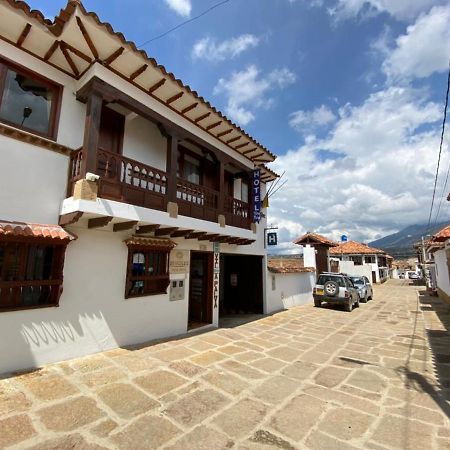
(400,244)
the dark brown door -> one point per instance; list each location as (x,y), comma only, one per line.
(200,295)
(112,125)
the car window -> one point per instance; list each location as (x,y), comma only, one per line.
(366,280)
(349,282)
(357,280)
(324,278)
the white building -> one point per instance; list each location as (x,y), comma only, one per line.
(142,189)
(358,259)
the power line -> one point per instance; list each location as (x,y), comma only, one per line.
(184,23)
(440,149)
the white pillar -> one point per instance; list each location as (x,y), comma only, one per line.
(309,256)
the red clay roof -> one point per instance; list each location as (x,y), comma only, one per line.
(441,235)
(287,265)
(33,230)
(355,248)
(160,243)
(56,27)
(312,238)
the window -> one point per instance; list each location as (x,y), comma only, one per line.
(30,275)
(148,270)
(28,101)
(191,169)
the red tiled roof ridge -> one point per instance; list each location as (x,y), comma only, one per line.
(441,235)
(318,237)
(57,26)
(353,247)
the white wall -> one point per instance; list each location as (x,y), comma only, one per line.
(309,256)
(143,142)
(291,289)
(32,182)
(349,268)
(93,315)
(442,278)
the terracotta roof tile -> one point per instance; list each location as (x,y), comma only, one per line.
(441,235)
(33,230)
(311,238)
(287,265)
(355,248)
(157,243)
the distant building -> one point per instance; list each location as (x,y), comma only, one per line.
(359,259)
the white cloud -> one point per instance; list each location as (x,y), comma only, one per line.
(378,174)
(424,49)
(309,121)
(248,90)
(208,48)
(181,7)
(400,9)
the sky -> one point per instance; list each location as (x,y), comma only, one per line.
(348,93)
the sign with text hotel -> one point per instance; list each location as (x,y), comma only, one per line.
(256,195)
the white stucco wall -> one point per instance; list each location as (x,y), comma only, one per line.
(349,268)
(291,289)
(32,182)
(309,256)
(442,278)
(143,142)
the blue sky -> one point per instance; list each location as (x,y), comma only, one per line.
(348,93)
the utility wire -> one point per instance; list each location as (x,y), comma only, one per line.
(440,149)
(184,23)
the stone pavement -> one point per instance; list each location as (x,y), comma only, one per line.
(376,378)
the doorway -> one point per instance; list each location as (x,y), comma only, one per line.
(241,290)
(200,290)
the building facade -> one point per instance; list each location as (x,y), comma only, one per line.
(129,206)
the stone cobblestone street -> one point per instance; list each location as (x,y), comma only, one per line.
(376,378)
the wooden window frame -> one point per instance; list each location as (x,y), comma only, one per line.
(55,280)
(55,111)
(160,279)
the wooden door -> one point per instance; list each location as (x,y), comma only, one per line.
(200,295)
(112,126)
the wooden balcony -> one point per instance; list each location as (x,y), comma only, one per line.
(126,180)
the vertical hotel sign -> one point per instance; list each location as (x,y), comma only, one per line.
(256,195)
(216,285)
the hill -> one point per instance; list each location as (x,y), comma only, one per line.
(400,244)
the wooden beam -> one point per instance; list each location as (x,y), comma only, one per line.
(99,222)
(51,50)
(203,116)
(241,145)
(181,233)
(24,34)
(189,108)
(174,97)
(113,56)
(260,160)
(138,72)
(156,86)
(249,151)
(122,226)
(165,231)
(195,235)
(256,156)
(70,218)
(213,125)
(144,229)
(223,133)
(87,38)
(77,52)
(207,237)
(69,59)
(233,139)
(91,133)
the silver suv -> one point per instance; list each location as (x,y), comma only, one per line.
(336,288)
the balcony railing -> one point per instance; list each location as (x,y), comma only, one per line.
(129,181)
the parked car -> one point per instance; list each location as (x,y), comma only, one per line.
(365,289)
(336,288)
(413,276)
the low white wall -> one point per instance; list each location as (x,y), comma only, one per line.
(349,268)
(290,289)
(442,278)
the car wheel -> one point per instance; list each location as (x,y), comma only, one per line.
(331,288)
(349,306)
(364,299)
(357,302)
(317,303)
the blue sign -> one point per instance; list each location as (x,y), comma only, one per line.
(272,239)
(344,238)
(256,195)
